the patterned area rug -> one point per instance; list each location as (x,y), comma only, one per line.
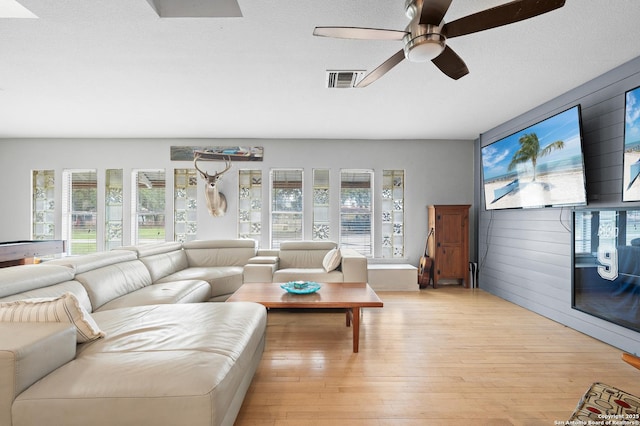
(604,404)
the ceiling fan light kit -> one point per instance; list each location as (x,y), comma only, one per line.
(425,38)
(426,45)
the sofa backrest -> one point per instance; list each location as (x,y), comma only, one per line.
(219,252)
(88,262)
(18,279)
(161,259)
(37,281)
(304,254)
(144,250)
(108,275)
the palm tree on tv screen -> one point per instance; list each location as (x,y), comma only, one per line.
(530,151)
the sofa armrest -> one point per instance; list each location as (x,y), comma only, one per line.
(354,266)
(260,269)
(28,352)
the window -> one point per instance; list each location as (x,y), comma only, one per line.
(250,204)
(393,213)
(148,192)
(356,207)
(593,229)
(321,210)
(286,206)
(79,211)
(633,226)
(185,215)
(43,207)
(113,212)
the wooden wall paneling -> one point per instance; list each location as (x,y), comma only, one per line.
(524,256)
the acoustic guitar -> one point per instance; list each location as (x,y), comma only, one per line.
(425,270)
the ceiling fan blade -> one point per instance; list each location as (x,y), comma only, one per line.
(451,64)
(359,33)
(507,13)
(382,69)
(433,11)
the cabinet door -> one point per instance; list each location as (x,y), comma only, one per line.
(451,224)
(450,265)
(451,227)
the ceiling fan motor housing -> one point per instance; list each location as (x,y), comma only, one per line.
(423,42)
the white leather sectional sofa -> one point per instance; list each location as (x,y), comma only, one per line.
(141,347)
(163,360)
(319,261)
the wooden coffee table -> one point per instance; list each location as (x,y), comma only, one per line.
(348,296)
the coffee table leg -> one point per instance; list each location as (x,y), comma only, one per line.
(355,318)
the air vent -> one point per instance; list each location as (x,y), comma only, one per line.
(343,79)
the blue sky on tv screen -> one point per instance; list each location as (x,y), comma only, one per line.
(632,118)
(564,126)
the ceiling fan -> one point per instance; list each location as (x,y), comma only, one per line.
(426,35)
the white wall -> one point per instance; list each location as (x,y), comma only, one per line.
(437,172)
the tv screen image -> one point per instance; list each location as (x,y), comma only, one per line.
(631,160)
(539,166)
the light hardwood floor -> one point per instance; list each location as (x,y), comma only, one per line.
(449,356)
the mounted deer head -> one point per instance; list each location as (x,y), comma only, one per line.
(216,201)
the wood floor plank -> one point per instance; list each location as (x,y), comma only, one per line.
(437,357)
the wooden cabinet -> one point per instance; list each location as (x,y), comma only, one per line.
(449,244)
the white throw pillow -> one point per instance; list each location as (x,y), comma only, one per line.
(65,308)
(332,260)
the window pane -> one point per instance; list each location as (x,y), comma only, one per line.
(149,203)
(185,220)
(321,208)
(356,225)
(286,206)
(43,209)
(633,226)
(113,209)
(250,204)
(393,213)
(80,200)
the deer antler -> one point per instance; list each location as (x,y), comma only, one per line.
(196,157)
(206,175)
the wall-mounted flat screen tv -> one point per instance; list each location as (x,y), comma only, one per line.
(540,166)
(631,160)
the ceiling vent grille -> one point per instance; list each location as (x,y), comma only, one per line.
(343,79)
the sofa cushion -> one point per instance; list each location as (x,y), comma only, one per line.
(55,290)
(112,281)
(332,260)
(220,252)
(304,254)
(89,262)
(162,264)
(18,279)
(224,280)
(159,365)
(65,308)
(145,250)
(186,291)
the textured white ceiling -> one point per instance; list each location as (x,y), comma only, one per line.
(89,68)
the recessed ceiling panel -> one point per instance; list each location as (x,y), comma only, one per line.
(13,9)
(196,8)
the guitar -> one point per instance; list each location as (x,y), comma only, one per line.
(425,270)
